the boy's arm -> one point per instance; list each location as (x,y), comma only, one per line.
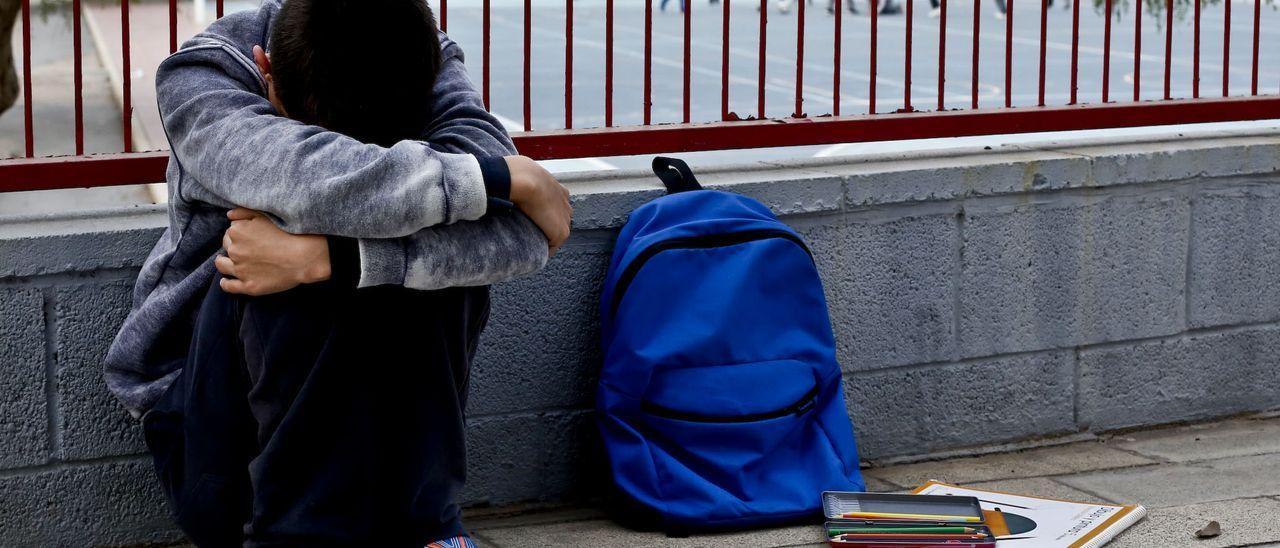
(261,259)
(500,246)
(232,149)
(462,124)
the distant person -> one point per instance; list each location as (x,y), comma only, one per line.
(887,7)
(848,4)
(999,13)
(8,75)
(308,387)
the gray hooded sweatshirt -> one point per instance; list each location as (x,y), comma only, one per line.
(417,208)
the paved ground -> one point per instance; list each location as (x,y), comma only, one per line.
(1185,476)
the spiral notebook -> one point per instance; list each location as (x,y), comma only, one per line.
(1019,521)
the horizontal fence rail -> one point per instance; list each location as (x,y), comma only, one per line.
(732,131)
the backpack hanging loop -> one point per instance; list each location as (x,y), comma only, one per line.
(675,174)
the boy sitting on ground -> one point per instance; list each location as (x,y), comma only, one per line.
(316,413)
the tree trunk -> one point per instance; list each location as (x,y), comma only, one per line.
(8,76)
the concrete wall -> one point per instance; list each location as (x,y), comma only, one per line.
(977,297)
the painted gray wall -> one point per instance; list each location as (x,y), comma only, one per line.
(978,297)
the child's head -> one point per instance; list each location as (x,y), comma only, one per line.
(364,68)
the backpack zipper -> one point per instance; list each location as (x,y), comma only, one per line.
(705,241)
(805,403)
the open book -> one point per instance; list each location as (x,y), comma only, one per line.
(1032,522)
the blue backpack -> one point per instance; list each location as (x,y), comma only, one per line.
(720,401)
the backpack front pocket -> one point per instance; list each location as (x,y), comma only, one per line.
(736,393)
(727,422)
(740,460)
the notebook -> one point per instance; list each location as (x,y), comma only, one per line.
(1019,521)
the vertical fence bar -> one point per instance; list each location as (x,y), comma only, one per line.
(835,61)
(1106,54)
(799,113)
(1008,53)
(648,62)
(28,127)
(444,15)
(906,65)
(608,62)
(1075,51)
(1137,50)
(724,62)
(78,75)
(942,56)
(688,54)
(528,62)
(1195,55)
(568,64)
(126,77)
(1257,20)
(764,22)
(977,30)
(1226,45)
(1044,28)
(486,54)
(173,26)
(220,9)
(1168,46)
(875,42)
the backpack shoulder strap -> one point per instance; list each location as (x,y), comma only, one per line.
(675,174)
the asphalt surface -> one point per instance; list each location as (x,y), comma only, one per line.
(548,86)
(548,64)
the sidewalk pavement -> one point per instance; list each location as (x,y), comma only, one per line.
(1226,471)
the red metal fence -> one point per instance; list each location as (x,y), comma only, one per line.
(731,132)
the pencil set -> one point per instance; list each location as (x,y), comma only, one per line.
(874,520)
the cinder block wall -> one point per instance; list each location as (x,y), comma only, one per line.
(978,297)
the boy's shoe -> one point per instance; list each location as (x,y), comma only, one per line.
(455,542)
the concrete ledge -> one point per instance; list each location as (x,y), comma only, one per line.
(87,242)
(977,297)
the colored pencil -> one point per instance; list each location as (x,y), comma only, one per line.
(856,537)
(874,515)
(913,530)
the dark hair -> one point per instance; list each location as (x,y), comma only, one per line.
(364,68)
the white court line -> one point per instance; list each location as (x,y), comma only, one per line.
(1116,51)
(986,35)
(822,95)
(659,60)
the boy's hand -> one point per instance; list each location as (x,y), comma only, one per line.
(540,196)
(261,259)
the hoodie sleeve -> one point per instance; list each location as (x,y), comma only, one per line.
(232,149)
(501,245)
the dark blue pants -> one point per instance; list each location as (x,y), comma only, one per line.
(323,416)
